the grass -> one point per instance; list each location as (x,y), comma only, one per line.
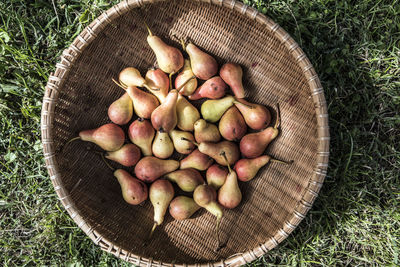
(355,48)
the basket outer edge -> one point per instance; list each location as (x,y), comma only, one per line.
(69,56)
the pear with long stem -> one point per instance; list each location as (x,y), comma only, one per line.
(229,195)
(131,77)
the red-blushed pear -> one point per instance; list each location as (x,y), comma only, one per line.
(121,110)
(164,117)
(133,190)
(206,132)
(213,88)
(109,137)
(232,74)
(141,133)
(196,160)
(187,88)
(229,195)
(162,146)
(128,155)
(232,125)
(186,179)
(149,169)
(203,65)
(182,146)
(158,82)
(182,208)
(216,176)
(257,117)
(254,144)
(143,103)
(161,193)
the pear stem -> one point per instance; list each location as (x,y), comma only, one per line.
(188,140)
(226,159)
(148,28)
(183,45)
(170,80)
(282,161)
(149,88)
(247,105)
(183,85)
(120,84)
(278,117)
(105,161)
(152,230)
(70,141)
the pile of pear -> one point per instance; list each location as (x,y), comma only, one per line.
(215,149)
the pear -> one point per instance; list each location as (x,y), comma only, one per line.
(182,208)
(254,144)
(158,82)
(232,74)
(213,88)
(149,169)
(196,160)
(257,117)
(206,132)
(205,196)
(133,190)
(246,169)
(232,125)
(169,58)
(219,151)
(187,114)
(212,110)
(128,155)
(131,77)
(143,103)
(121,110)
(109,137)
(216,176)
(162,145)
(229,195)
(161,193)
(186,179)
(164,117)
(141,133)
(203,65)
(182,77)
(182,146)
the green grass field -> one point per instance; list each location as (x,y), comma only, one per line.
(355,48)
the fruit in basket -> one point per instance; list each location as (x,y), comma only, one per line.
(206,132)
(257,117)
(158,82)
(187,114)
(109,137)
(216,176)
(232,125)
(229,195)
(182,77)
(205,196)
(196,160)
(131,77)
(182,208)
(149,169)
(254,144)
(212,110)
(141,133)
(203,65)
(133,190)
(232,74)
(213,88)
(143,103)
(161,193)
(181,146)
(121,110)
(164,117)
(186,179)
(128,155)
(169,58)
(162,145)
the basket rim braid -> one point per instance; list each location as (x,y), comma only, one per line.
(69,56)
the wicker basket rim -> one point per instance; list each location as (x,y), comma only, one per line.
(69,56)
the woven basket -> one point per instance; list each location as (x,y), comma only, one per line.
(276,70)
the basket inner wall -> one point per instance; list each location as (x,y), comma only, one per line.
(271,76)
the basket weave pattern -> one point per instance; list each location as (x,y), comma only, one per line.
(276,70)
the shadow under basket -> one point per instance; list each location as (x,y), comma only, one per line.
(276,70)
